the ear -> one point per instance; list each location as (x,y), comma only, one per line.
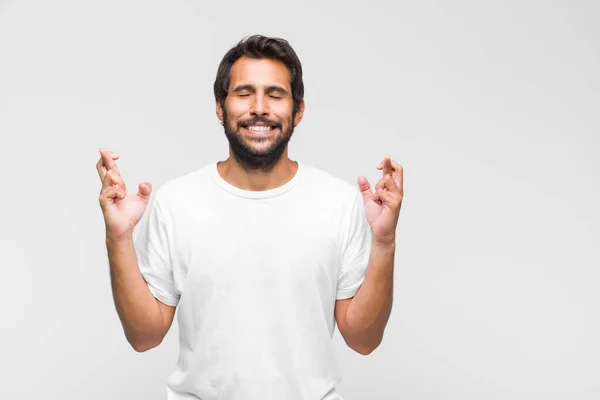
(219,110)
(299,113)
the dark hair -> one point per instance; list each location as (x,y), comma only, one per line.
(259,47)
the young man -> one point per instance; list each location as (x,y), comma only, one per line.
(261,255)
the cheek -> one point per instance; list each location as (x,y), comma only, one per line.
(235,109)
(283,111)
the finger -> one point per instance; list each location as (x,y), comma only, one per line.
(101,170)
(398,175)
(381,184)
(387,199)
(107,159)
(387,165)
(365,187)
(110,195)
(114,155)
(387,183)
(382,196)
(144,190)
(100,166)
(107,196)
(112,177)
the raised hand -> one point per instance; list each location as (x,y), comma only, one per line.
(122,210)
(383,206)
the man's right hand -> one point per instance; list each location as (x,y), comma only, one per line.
(122,210)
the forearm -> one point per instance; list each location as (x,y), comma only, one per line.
(369,310)
(137,308)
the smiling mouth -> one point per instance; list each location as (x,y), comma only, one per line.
(259,129)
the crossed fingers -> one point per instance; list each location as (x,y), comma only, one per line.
(108,171)
(395,171)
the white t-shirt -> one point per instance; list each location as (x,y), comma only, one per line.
(254,276)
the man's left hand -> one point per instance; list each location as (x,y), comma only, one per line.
(383,206)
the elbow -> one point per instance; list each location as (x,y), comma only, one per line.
(141,345)
(365,344)
(367,348)
(364,351)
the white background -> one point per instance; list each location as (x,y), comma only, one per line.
(491,107)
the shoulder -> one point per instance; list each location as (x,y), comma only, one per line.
(320,181)
(184,186)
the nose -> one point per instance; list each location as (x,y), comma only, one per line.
(260,105)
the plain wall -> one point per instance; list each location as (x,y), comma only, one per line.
(491,107)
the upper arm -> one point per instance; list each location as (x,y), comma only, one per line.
(352,339)
(145,341)
(341,306)
(167,313)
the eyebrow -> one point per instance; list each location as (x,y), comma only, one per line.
(252,88)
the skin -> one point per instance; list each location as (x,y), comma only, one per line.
(259,90)
(145,320)
(252,95)
(362,319)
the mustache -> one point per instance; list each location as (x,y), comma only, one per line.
(257,120)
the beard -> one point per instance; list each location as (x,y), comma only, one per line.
(248,156)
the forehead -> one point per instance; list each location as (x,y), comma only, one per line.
(259,72)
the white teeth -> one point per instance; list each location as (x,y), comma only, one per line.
(259,128)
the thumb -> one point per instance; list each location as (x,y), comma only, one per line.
(145,189)
(364,187)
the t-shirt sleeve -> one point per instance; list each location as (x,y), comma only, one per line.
(154,255)
(355,250)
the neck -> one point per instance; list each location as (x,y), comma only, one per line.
(257,180)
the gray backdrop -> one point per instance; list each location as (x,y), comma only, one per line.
(491,107)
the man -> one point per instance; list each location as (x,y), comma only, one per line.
(260,254)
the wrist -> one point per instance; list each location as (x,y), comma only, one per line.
(384,245)
(126,238)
